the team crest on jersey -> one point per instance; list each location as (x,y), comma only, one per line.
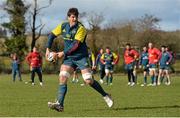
(64,30)
(68,36)
(73,31)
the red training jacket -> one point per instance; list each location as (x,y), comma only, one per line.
(130,56)
(34,59)
(154,55)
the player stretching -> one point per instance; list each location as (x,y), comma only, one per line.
(109,59)
(143,64)
(75,54)
(100,65)
(154,54)
(164,62)
(130,56)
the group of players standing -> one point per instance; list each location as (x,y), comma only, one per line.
(105,62)
(150,60)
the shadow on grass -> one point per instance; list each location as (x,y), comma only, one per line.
(136,108)
(154,107)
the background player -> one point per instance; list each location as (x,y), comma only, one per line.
(173,59)
(16,67)
(164,62)
(109,59)
(130,55)
(75,76)
(100,65)
(34,59)
(144,61)
(154,55)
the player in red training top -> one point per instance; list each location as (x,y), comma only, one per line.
(130,56)
(154,55)
(34,59)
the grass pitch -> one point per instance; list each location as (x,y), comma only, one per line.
(20,99)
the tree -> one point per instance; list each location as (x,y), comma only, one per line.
(16,26)
(148,22)
(34,27)
(3,32)
(94,20)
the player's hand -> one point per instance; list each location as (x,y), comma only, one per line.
(156,61)
(93,67)
(30,68)
(47,53)
(60,54)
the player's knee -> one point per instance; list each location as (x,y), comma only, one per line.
(107,71)
(64,74)
(88,81)
(87,78)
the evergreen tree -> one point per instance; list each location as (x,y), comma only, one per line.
(16,10)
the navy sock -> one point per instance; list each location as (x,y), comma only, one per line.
(155,79)
(111,79)
(145,79)
(102,74)
(133,77)
(61,94)
(98,88)
(107,79)
(161,78)
(129,76)
(152,79)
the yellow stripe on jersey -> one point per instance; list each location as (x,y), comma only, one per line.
(102,57)
(57,31)
(92,56)
(115,55)
(81,33)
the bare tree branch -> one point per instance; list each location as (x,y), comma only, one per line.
(37,27)
(35,12)
(40,30)
(43,7)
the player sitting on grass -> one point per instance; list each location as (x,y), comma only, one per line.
(130,56)
(109,59)
(154,55)
(144,61)
(75,54)
(164,62)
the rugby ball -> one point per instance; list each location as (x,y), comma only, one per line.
(51,57)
